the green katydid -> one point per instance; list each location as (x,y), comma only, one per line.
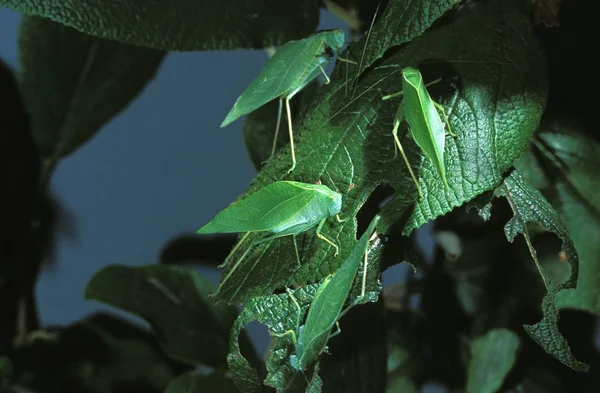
(287,72)
(310,339)
(283,208)
(424,122)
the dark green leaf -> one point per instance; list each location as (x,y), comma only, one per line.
(404,355)
(279,314)
(100,354)
(347,144)
(529,205)
(539,381)
(196,382)
(5,372)
(73,83)
(355,361)
(492,357)
(564,153)
(175,302)
(182,24)
(400,23)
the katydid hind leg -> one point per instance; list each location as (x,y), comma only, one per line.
(296,249)
(277,127)
(289,119)
(322,237)
(250,247)
(397,120)
(233,250)
(446,121)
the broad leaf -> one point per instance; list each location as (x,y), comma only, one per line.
(182,24)
(279,314)
(73,83)
(492,357)
(5,372)
(529,205)
(346,142)
(563,162)
(100,354)
(175,302)
(196,382)
(401,22)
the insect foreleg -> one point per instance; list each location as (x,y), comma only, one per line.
(318,232)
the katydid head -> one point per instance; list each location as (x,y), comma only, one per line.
(334,39)
(336,203)
(412,76)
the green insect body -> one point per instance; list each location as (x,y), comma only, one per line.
(284,208)
(287,72)
(426,127)
(310,339)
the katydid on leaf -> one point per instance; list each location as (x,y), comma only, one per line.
(325,310)
(287,72)
(426,127)
(283,208)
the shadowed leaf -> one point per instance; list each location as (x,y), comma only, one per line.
(183,24)
(73,83)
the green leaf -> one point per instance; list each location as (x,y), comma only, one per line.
(325,309)
(5,372)
(99,354)
(346,142)
(407,20)
(72,95)
(182,24)
(528,204)
(175,302)
(492,357)
(279,314)
(196,382)
(564,153)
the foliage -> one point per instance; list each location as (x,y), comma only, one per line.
(508,302)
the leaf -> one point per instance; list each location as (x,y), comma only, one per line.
(195,382)
(72,95)
(356,358)
(346,142)
(404,356)
(327,305)
(279,314)
(182,25)
(528,205)
(492,357)
(539,381)
(175,303)
(565,154)
(407,20)
(5,372)
(99,354)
